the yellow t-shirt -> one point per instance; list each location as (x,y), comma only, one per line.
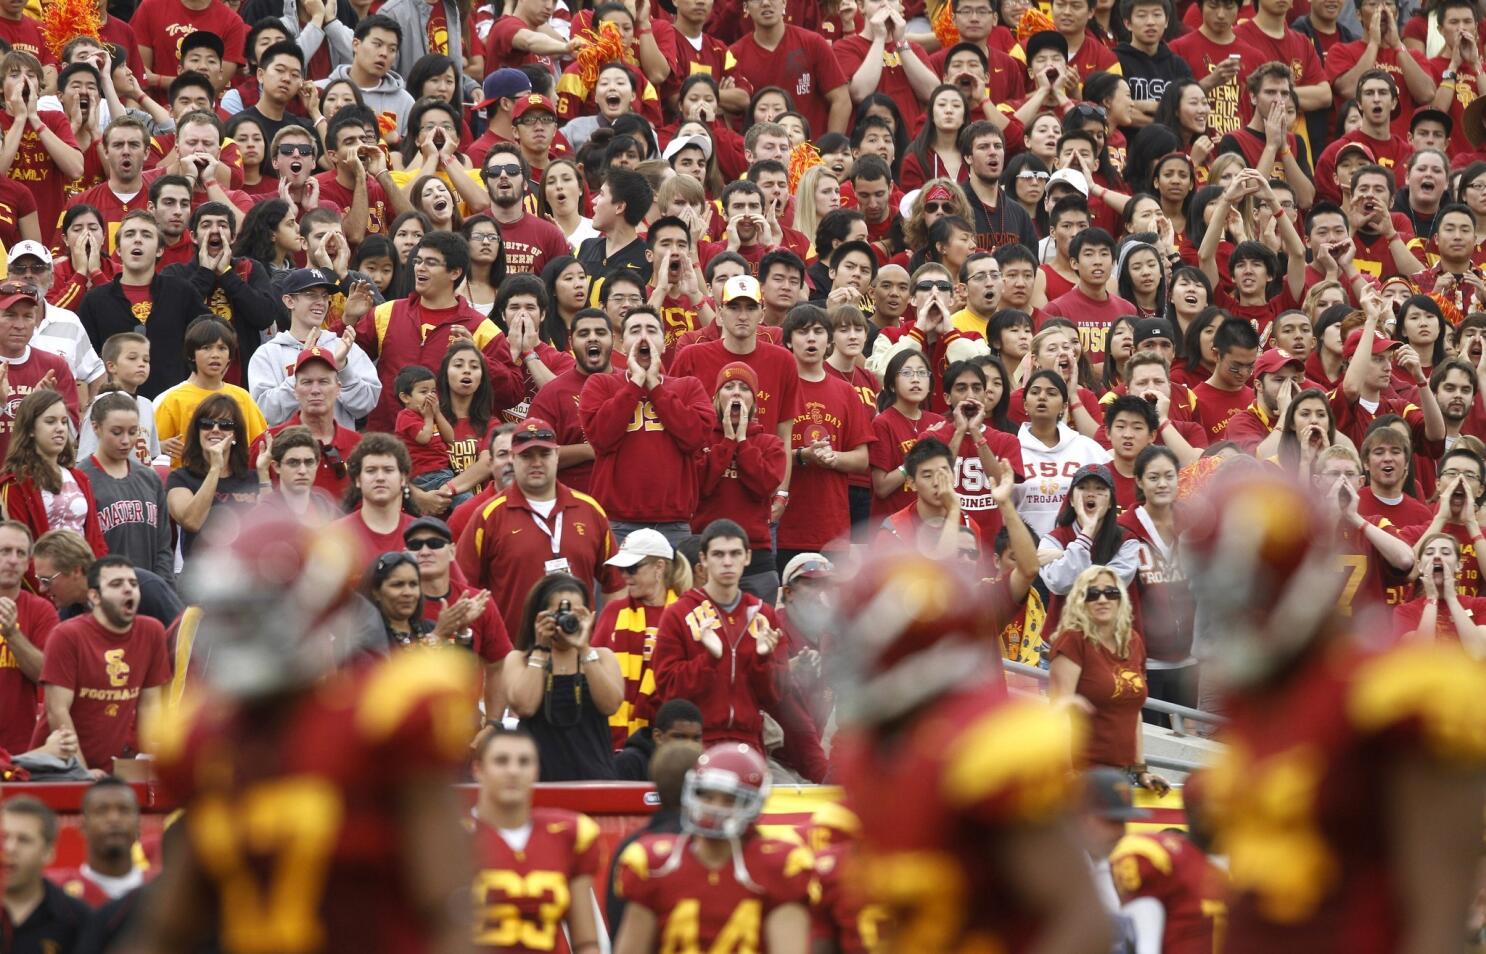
(405,179)
(966,320)
(174,408)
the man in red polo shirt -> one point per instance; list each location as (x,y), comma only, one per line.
(536,527)
(1226,392)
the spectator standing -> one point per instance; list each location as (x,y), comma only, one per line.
(23,368)
(1052,452)
(60,560)
(104,669)
(498,549)
(645,427)
(1279,376)
(317,387)
(801,59)
(1089,305)
(591,341)
(428,27)
(41,485)
(716,645)
(294,455)
(26,621)
(982,451)
(43,149)
(902,420)
(653,578)
(211,348)
(562,688)
(739,469)
(132,511)
(57,330)
(1098,669)
(1226,391)
(379,470)
(374,55)
(214,472)
(159,26)
(42,917)
(530,241)
(1368,379)
(1439,610)
(1085,533)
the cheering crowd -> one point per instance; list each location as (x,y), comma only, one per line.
(605,345)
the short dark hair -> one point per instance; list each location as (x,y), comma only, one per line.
(1251,251)
(630,188)
(1127,7)
(1090,238)
(452,246)
(803,316)
(294,437)
(377,21)
(957,368)
(1235,333)
(870,168)
(846,248)
(1130,404)
(165,182)
(1014,252)
(187,80)
(1322,207)
(778,258)
(666,222)
(218,209)
(282,48)
(735,187)
(722,529)
(409,377)
(1064,206)
(347,117)
(207,330)
(673,711)
(832,230)
(927,449)
(96,568)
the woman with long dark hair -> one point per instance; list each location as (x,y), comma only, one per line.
(258,177)
(215,472)
(41,485)
(1190,294)
(487,262)
(998,392)
(1119,346)
(567,292)
(1184,110)
(562,197)
(903,415)
(436,76)
(561,688)
(1025,180)
(269,235)
(1199,357)
(1142,277)
(935,151)
(1307,427)
(87,262)
(883,105)
(1421,325)
(468,404)
(377,260)
(394,587)
(432,196)
(407,230)
(1174,181)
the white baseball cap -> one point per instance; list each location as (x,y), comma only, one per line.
(682,142)
(1070,177)
(640,545)
(32,248)
(741,286)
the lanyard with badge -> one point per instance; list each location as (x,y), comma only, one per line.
(558,563)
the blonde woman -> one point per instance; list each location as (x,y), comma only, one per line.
(1098,668)
(818,193)
(1439,611)
(938,198)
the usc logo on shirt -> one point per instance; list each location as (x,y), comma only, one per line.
(116,667)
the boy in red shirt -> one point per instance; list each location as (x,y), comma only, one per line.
(1226,392)
(1218,59)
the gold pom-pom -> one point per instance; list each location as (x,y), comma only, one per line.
(1033,21)
(63,21)
(944,27)
(1447,308)
(605,46)
(802,158)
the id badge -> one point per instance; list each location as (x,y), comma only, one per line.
(557,565)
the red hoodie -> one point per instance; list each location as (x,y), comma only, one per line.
(400,333)
(643,442)
(738,480)
(731,691)
(20,499)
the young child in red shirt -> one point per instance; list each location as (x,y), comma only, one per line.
(422,426)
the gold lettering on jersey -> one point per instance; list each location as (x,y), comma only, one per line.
(116,667)
(499,921)
(1224,102)
(740,935)
(645,419)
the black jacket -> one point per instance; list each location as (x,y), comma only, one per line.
(105,311)
(54,926)
(632,763)
(251,306)
(1148,75)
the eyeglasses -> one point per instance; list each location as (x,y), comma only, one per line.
(1094,594)
(540,119)
(510,170)
(428,263)
(296,149)
(37,269)
(632,570)
(1453,474)
(214,424)
(816,567)
(44,583)
(941,285)
(387,562)
(934,208)
(427,543)
(430,127)
(485,238)
(1086,110)
(912,373)
(1033,174)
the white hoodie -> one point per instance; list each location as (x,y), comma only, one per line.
(1049,471)
(271,380)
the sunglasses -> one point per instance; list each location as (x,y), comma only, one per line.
(510,170)
(940,285)
(20,288)
(296,149)
(214,424)
(390,561)
(934,208)
(332,456)
(1095,593)
(527,436)
(427,543)
(1033,174)
(1085,109)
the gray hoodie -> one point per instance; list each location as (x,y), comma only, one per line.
(272,384)
(412,16)
(388,96)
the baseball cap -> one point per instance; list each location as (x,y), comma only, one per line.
(530,102)
(1380,343)
(1095,472)
(505,83)
(30,247)
(303,279)
(741,286)
(1275,358)
(1045,40)
(315,353)
(736,371)
(1358,146)
(1110,795)
(683,142)
(533,432)
(428,523)
(1147,329)
(640,545)
(13,292)
(807,566)
(1070,177)
(202,38)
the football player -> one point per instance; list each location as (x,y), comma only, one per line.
(964,793)
(720,885)
(319,811)
(535,867)
(842,922)
(1349,798)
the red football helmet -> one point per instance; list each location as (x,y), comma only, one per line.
(1263,570)
(271,587)
(732,769)
(909,628)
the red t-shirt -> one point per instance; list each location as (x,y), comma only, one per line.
(106,672)
(819,513)
(895,436)
(34,169)
(500,52)
(19,696)
(972,485)
(557,404)
(778,395)
(113,209)
(1215,407)
(1406,616)
(1344,56)
(489,638)
(852,51)
(1468,577)
(1116,688)
(16,202)
(373,544)
(22,378)
(531,243)
(428,457)
(120,34)
(161,25)
(378,215)
(25,35)
(803,64)
(1202,55)
(1091,316)
(1293,49)
(1092,56)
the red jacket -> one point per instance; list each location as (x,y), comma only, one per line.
(737,481)
(731,691)
(400,333)
(643,443)
(20,499)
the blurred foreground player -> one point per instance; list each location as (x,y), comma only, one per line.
(1349,800)
(535,867)
(842,922)
(964,794)
(316,783)
(720,885)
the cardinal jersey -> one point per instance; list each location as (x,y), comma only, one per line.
(293,821)
(1170,869)
(521,897)
(1297,798)
(698,908)
(972,765)
(842,918)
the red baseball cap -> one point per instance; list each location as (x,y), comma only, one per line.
(736,371)
(1275,358)
(530,102)
(14,292)
(315,353)
(1380,343)
(533,432)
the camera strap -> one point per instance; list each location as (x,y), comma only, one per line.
(553,532)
